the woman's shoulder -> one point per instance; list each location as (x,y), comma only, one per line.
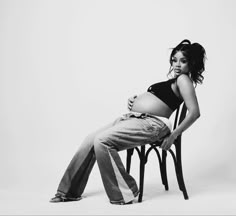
(185,83)
(184,79)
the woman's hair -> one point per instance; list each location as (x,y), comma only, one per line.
(195,55)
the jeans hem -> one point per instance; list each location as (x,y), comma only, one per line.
(62,194)
(122,202)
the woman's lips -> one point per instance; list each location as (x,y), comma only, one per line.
(177,70)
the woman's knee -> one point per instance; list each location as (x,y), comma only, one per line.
(101,140)
(88,141)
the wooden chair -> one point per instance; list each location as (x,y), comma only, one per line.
(176,155)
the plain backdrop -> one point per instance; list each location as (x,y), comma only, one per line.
(68,67)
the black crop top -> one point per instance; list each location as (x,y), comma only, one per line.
(164,92)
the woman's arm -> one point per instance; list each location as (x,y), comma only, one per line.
(188,94)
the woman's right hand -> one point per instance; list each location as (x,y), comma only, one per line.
(131,102)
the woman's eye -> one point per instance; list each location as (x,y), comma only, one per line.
(182,61)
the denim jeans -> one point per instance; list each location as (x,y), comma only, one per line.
(128,131)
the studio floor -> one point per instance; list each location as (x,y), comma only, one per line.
(205,198)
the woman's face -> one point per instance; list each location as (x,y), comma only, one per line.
(180,63)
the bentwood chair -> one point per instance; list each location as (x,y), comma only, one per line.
(180,114)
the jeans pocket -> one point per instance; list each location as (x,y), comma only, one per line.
(158,128)
(164,132)
(154,124)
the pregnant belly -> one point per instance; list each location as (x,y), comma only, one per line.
(149,103)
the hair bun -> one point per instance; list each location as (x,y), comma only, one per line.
(197,50)
(185,41)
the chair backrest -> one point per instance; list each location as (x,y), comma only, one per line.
(180,114)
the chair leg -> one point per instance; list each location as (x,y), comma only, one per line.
(180,179)
(179,172)
(163,170)
(141,174)
(128,159)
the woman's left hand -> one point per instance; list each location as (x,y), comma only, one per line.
(167,142)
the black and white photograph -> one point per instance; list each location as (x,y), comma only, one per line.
(117,107)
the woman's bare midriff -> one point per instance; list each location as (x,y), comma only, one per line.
(149,103)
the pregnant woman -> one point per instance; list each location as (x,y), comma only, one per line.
(147,121)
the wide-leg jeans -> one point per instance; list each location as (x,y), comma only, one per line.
(128,131)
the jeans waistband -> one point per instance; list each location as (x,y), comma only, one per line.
(165,120)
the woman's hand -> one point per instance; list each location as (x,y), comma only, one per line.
(168,141)
(131,102)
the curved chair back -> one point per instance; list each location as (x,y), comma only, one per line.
(179,117)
